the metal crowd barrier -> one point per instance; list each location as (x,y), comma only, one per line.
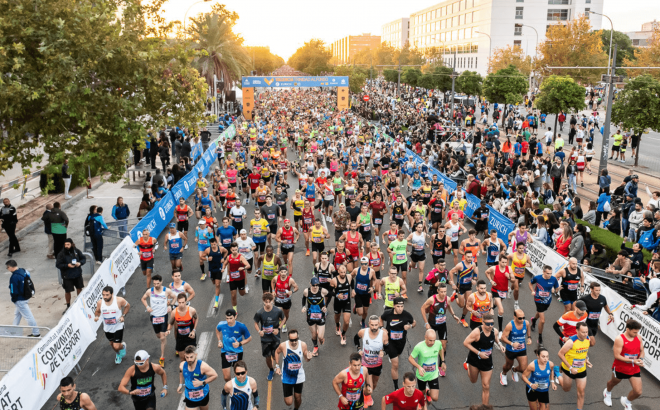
(634,291)
(16,343)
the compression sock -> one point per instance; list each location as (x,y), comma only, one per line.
(540,338)
(463,316)
(201,266)
(343,333)
(217,298)
(337,325)
(315,341)
(396,384)
(500,319)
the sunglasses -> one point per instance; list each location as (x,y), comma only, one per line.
(489,324)
(240,373)
(139,363)
(294,340)
(521,318)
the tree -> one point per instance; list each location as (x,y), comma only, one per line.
(570,45)
(356,77)
(411,75)
(391,75)
(264,61)
(510,55)
(312,58)
(87,80)
(505,86)
(625,49)
(426,81)
(637,107)
(442,77)
(559,94)
(470,83)
(646,57)
(222,52)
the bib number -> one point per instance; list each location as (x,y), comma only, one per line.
(196,394)
(157,320)
(396,335)
(235,275)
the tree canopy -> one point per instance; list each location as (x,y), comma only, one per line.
(505,86)
(312,58)
(510,55)
(264,61)
(87,80)
(469,82)
(411,75)
(356,77)
(625,49)
(637,107)
(560,93)
(646,57)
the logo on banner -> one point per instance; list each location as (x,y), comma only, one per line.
(277,84)
(186,184)
(162,213)
(36,374)
(269,82)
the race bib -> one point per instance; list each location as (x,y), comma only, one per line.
(501,294)
(203,242)
(226,241)
(231,357)
(184,331)
(429,367)
(594,315)
(235,274)
(371,360)
(110,321)
(143,391)
(174,245)
(308,221)
(578,363)
(316,315)
(342,296)
(182,218)
(257,230)
(398,216)
(542,385)
(366,227)
(270,216)
(437,253)
(488,352)
(316,239)
(378,221)
(401,257)
(157,320)
(294,366)
(238,219)
(419,247)
(147,254)
(352,396)
(323,279)
(440,319)
(268,329)
(544,294)
(572,286)
(361,286)
(196,394)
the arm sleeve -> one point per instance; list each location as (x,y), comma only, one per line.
(114,212)
(649,302)
(558,329)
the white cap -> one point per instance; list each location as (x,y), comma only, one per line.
(243,231)
(202,222)
(142,354)
(364,259)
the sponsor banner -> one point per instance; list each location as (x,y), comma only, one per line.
(503,225)
(32,381)
(157,219)
(295,81)
(450,185)
(227,134)
(540,255)
(196,150)
(472,204)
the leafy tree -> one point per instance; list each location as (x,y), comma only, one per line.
(426,81)
(356,77)
(442,77)
(391,75)
(646,57)
(408,56)
(570,45)
(637,107)
(625,49)
(510,55)
(312,58)
(470,82)
(222,52)
(264,61)
(88,80)
(505,86)
(559,94)
(410,76)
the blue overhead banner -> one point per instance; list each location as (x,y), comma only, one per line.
(157,219)
(295,81)
(501,223)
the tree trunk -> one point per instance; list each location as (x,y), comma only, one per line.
(554,133)
(639,144)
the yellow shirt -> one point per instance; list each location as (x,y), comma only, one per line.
(577,356)
(299,203)
(317,235)
(259,228)
(461,203)
(518,265)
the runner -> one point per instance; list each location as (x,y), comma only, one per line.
(374,342)
(440,245)
(499,277)
(478,304)
(575,361)
(364,288)
(226,234)
(284,287)
(318,235)
(237,265)
(470,244)
(175,241)
(493,247)
(269,263)
(267,323)
(292,372)
(519,261)
(142,377)
(185,320)
(315,308)
(514,336)
(146,248)
(397,322)
(325,271)
(572,283)
(398,253)
(543,287)
(237,214)
(194,378)
(480,343)
(466,274)
(566,325)
(178,286)
(307,216)
(436,208)
(260,231)
(454,229)
(417,240)
(272,212)
(628,361)
(351,384)
(113,309)
(595,304)
(424,358)
(203,235)
(393,287)
(159,308)
(287,236)
(231,335)
(70,399)
(342,285)
(378,210)
(353,241)
(538,377)
(297,205)
(406,398)
(183,214)
(215,256)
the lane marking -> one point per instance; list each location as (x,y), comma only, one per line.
(211,308)
(202,351)
(270,390)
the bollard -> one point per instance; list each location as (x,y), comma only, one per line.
(89,182)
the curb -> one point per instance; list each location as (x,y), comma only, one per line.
(39,223)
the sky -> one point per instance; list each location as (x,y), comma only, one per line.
(285,25)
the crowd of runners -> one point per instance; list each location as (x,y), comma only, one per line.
(388,214)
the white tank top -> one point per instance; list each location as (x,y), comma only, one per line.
(453,231)
(418,242)
(158,302)
(371,349)
(293,365)
(110,315)
(177,290)
(242,395)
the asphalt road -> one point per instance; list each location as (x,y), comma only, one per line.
(100,376)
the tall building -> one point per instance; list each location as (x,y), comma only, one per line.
(473,28)
(395,33)
(641,38)
(344,49)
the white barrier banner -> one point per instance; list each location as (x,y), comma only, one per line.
(540,255)
(115,271)
(31,382)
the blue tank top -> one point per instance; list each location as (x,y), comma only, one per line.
(362,283)
(215,264)
(176,244)
(193,393)
(541,377)
(517,336)
(205,200)
(417,183)
(310,191)
(493,252)
(354,165)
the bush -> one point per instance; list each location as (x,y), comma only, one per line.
(611,241)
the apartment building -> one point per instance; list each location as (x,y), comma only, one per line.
(395,33)
(344,49)
(641,38)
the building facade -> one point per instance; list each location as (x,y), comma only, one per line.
(395,33)
(642,38)
(344,49)
(468,30)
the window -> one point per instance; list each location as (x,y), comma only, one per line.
(517,43)
(460,6)
(517,30)
(455,22)
(557,14)
(586,12)
(442,24)
(461,32)
(468,18)
(566,2)
(519,13)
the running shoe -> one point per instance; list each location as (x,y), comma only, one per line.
(453,297)
(503,380)
(176,354)
(185,247)
(270,375)
(307,253)
(427,394)
(465,324)
(284,329)
(315,351)
(362,324)
(215,304)
(337,332)
(607,398)
(161,361)
(203,277)
(626,404)
(465,365)
(247,289)
(368,401)
(343,341)
(118,358)
(420,289)
(405,296)
(533,324)
(122,352)
(555,370)
(515,377)
(516,306)
(509,294)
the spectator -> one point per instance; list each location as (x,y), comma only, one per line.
(577,247)
(563,242)
(604,205)
(556,173)
(59,223)
(636,258)
(621,265)
(164,153)
(156,181)
(50,252)
(652,300)
(95,219)
(626,209)
(614,223)
(161,191)
(571,174)
(631,186)
(598,258)
(635,221)
(146,205)
(69,262)
(591,215)
(654,200)
(604,182)
(178,146)
(120,212)
(9,219)
(66,177)
(18,297)
(153,150)
(541,230)
(474,187)
(186,148)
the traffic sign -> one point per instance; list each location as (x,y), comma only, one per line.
(365,98)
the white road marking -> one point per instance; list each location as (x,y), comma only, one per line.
(211,309)
(202,351)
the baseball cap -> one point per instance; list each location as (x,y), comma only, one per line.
(202,222)
(581,305)
(141,355)
(314,281)
(364,259)
(172,225)
(243,231)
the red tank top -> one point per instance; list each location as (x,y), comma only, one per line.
(339,259)
(501,281)
(209,221)
(352,243)
(375,261)
(234,264)
(231,200)
(352,390)
(308,217)
(146,248)
(438,311)
(182,213)
(630,350)
(287,236)
(281,289)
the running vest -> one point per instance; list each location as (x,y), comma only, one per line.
(517,336)
(362,282)
(234,264)
(158,303)
(281,289)
(453,231)
(175,243)
(143,382)
(418,242)
(74,405)
(540,377)
(375,261)
(339,258)
(323,274)
(146,248)
(343,290)
(371,348)
(181,213)
(110,315)
(268,268)
(292,370)
(501,281)
(438,311)
(480,307)
(352,242)
(215,264)
(315,304)
(518,265)
(317,235)
(351,389)
(193,393)
(577,356)
(630,350)
(572,280)
(439,246)
(474,248)
(390,290)
(492,252)
(184,323)
(287,238)
(177,290)
(465,274)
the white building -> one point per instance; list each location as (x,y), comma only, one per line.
(473,28)
(395,33)
(641,38)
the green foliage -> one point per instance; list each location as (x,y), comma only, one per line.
(442,76)
(505,86)
(558,94)
(391,75)
(356,77)
(469,82)
(426,81)
(638,105)
(625,49)
(264,61)
(610,241)
(312,58)
(87,79)
(410,76)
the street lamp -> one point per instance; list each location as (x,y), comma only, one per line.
(490,43)
(185,16)
(609,55)
(535,56)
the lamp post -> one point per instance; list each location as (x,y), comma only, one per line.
(609,55)
(490,44)
(185,16)
(535,56)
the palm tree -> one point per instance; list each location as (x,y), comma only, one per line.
(223,51)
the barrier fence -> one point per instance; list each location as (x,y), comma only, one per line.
(36,376)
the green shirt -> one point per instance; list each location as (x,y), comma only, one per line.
(617,139)
(427,357)
(400,251)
